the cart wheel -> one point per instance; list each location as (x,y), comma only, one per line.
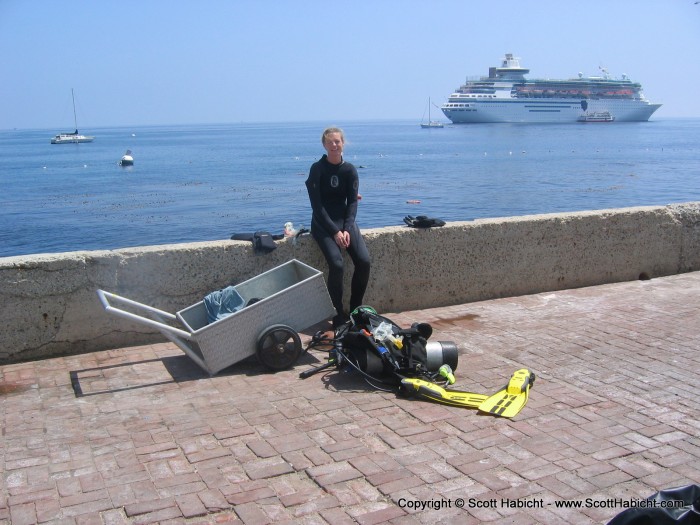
(278,347)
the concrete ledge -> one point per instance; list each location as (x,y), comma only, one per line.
(49,305)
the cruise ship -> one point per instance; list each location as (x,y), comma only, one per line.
(507,96)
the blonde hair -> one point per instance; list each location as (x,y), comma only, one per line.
(328,131)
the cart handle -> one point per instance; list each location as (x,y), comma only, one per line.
(105,300)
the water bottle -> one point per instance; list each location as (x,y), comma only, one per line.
(289,230)
(384,334)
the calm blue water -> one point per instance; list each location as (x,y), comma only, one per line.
(194,183)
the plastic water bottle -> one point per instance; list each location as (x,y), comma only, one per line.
(384,333)
(289,230)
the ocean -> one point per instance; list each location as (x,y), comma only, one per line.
(206,182)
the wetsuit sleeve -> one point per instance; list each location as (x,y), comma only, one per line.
(313,186)
(351,199)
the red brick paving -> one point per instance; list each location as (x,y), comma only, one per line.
(141,435)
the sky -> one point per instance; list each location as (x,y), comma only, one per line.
(172,62)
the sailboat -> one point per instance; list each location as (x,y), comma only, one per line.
(75,137)
(430,123)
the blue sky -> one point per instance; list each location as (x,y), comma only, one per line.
(152,62)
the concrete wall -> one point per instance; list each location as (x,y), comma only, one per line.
(49,305)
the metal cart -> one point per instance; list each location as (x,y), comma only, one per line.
(280,302)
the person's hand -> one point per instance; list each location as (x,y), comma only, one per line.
(342,239)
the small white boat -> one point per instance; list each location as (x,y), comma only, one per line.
(430,123)
(75,137)
(68,138)
(599,116)
(127,159)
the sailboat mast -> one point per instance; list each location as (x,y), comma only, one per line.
(75,117)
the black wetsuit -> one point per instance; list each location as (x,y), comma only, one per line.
(333,194)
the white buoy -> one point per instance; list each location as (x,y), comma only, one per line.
(127,159)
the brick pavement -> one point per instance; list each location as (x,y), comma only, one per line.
(140,435)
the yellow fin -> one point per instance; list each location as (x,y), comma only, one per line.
(509,401)
(441,395)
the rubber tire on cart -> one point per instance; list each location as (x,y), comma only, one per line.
(279,346)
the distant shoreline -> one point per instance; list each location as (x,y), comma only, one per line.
(321,123)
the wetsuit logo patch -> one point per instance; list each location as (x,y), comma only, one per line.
(334,181)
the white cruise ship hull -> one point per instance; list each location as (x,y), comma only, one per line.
(549,110)
(505,95)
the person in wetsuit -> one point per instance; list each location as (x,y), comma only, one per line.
(332,187)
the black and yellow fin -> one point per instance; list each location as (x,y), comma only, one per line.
(512,398)
(437,393)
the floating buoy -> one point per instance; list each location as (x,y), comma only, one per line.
(127,159)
